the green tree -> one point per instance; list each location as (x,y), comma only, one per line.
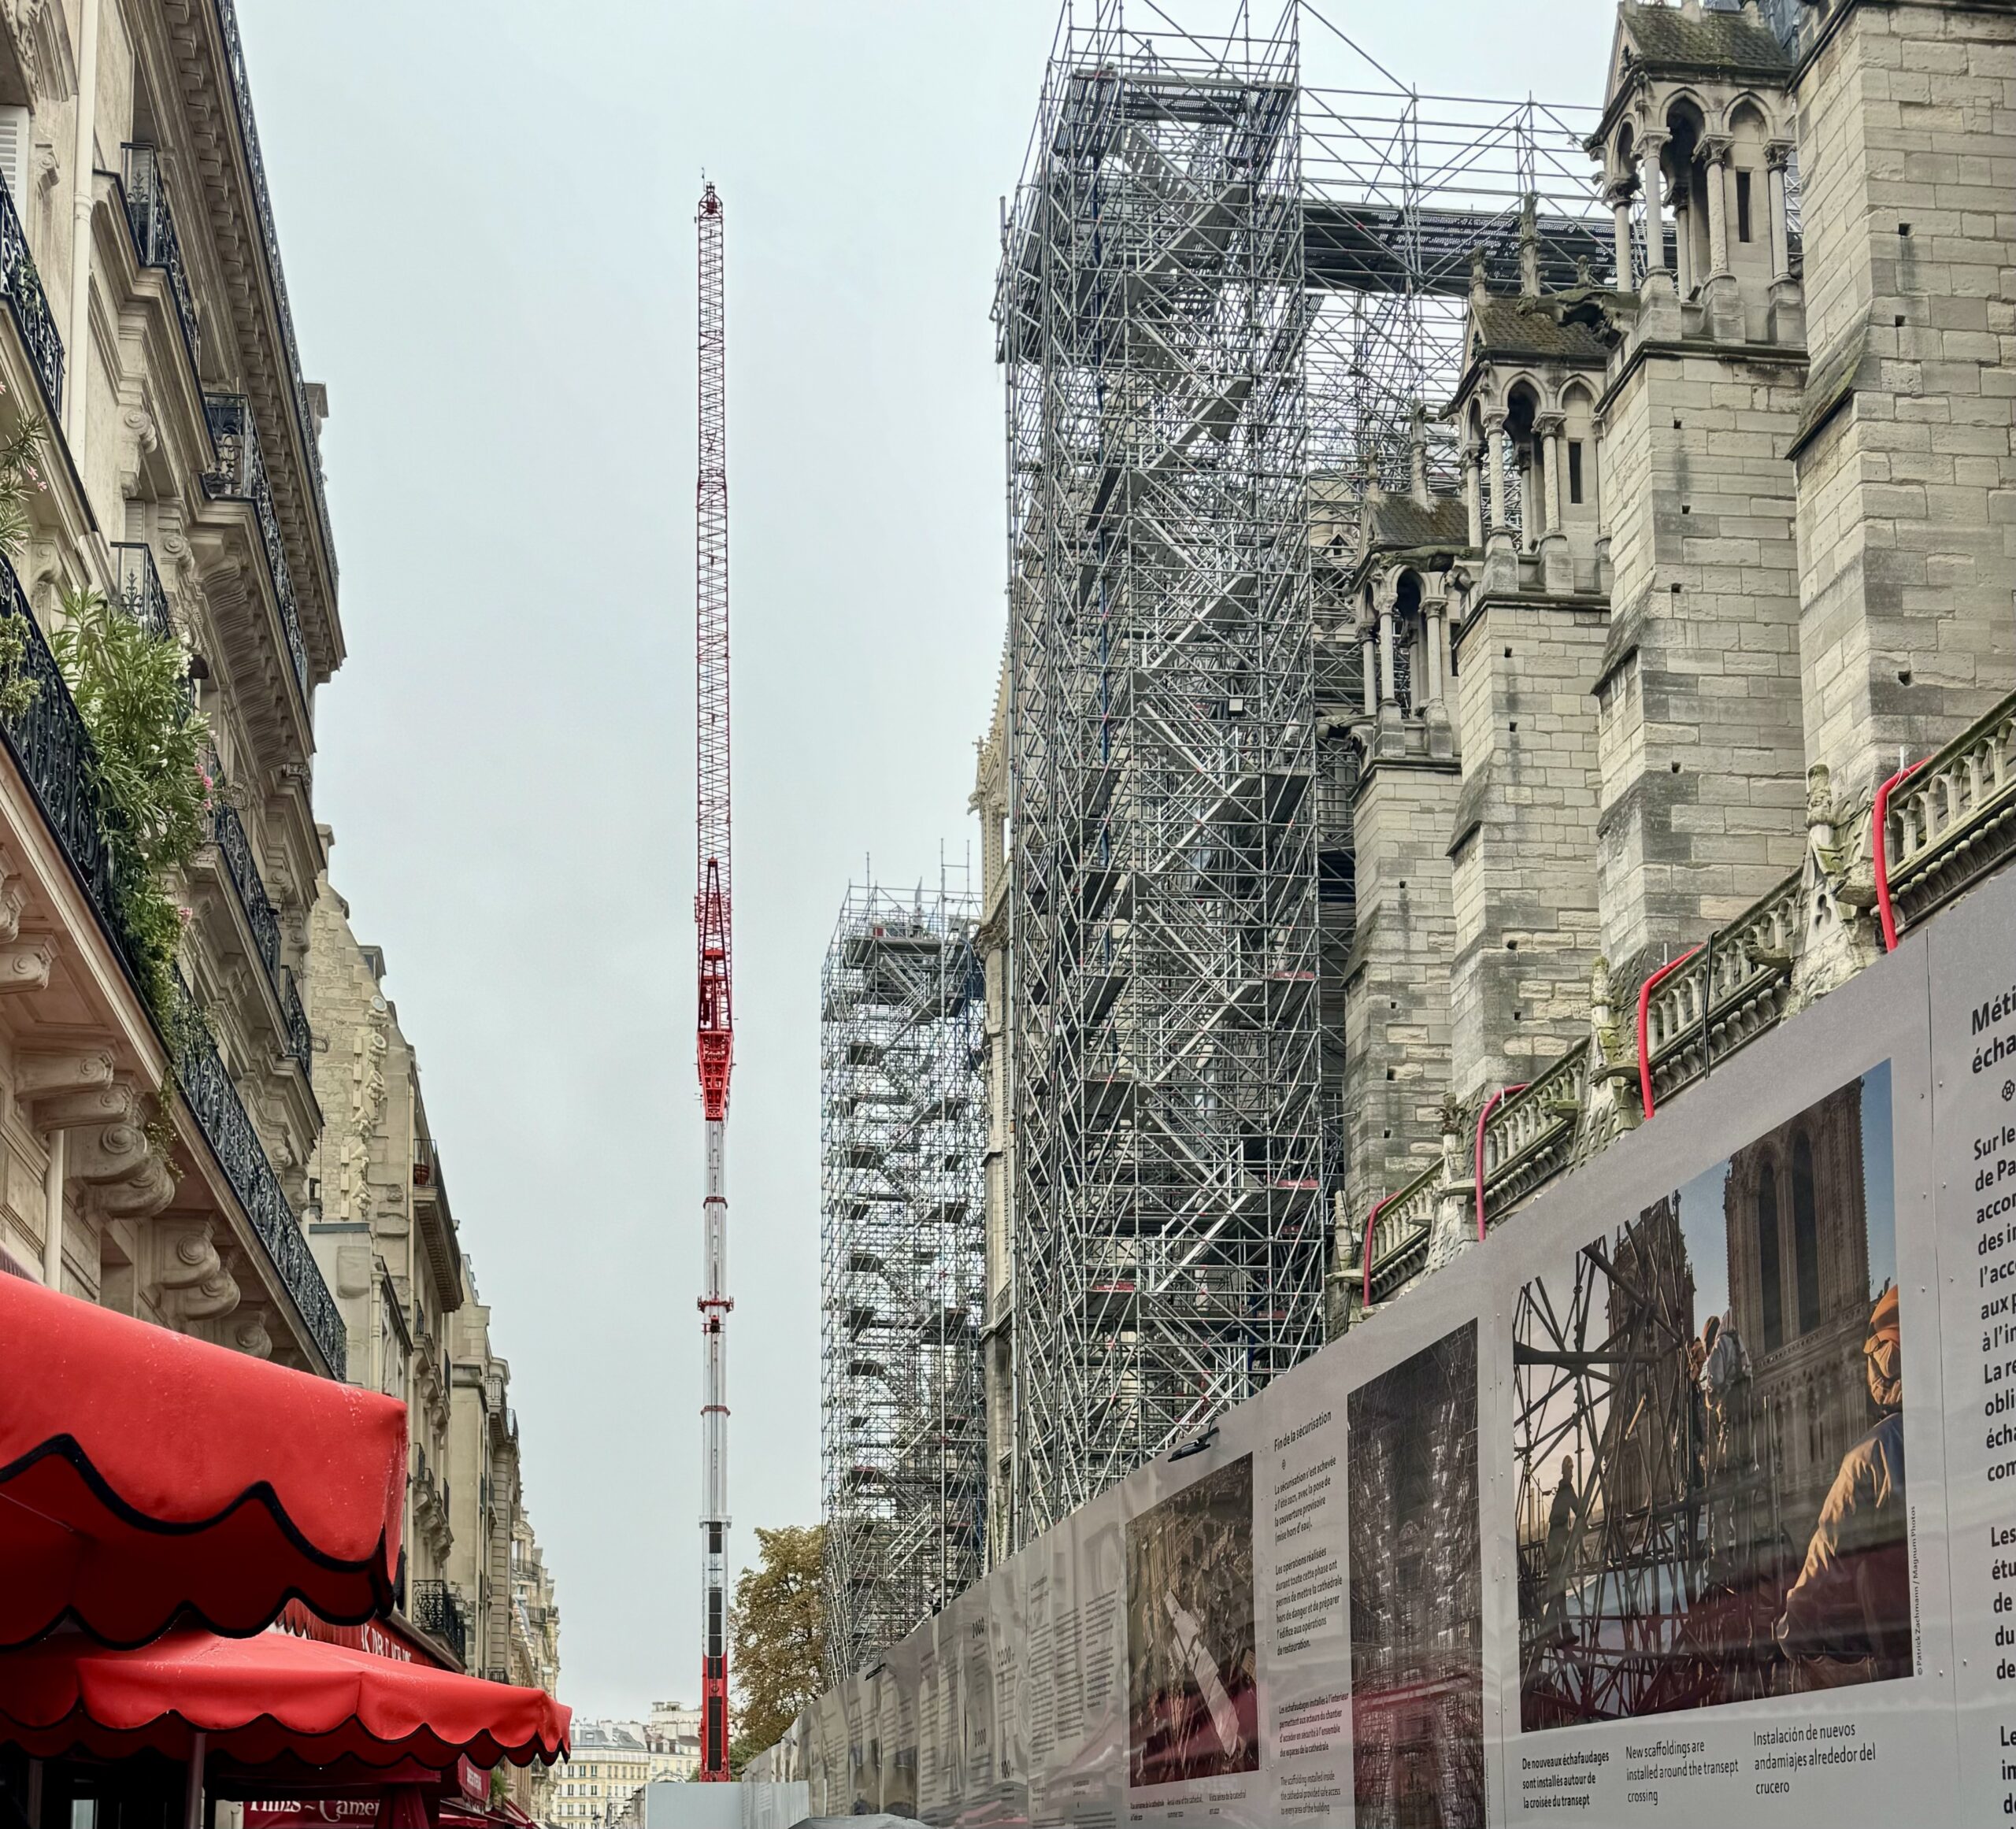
(777,1628)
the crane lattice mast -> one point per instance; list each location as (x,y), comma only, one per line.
(712,902)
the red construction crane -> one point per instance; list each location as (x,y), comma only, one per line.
(712,904)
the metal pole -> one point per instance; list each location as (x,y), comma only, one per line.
(192,1797)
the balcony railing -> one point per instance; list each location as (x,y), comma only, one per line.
(214,1100)
(53,750)
(1954,819)
(26,299)
(140,590)
(241,476)
(154,239)
(248,133)
(300,1038)
(437,1608)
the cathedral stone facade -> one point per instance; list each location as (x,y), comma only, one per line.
(1730,535)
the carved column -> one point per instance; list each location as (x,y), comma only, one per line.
(1788,324)
(1683,240)
(1501,562)
(1435,613)
(1557,562)
(1618,196)
(1715,165)
(1778,156)
(1548,429)
(1494,447)
(1649,151)
(1370,663)
(1596,430)
(1474,493)
(1387,680)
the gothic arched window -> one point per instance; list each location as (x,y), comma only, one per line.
(1772,1286)
(1805,1235)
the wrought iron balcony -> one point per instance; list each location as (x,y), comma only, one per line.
(52,751)
(270,240)
(437,1608)
(300,1039)
(155,241)
(208,1087)
(33,318)
(140,590)
(241,476)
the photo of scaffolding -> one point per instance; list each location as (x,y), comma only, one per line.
(1192,1699)
(1709,1437)
(1417,1592)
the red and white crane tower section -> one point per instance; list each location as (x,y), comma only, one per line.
(712,905)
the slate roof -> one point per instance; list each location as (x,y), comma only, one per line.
(1400,521)
(1736,43)
(1515,325)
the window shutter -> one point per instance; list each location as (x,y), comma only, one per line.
(14,137)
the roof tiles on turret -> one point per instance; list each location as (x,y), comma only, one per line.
(1704,41)
(1517,325)
(1400,523)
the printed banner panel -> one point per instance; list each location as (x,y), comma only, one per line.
(1688,1495)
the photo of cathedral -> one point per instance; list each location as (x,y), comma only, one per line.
(1416,1592)
(1710,1436)
(1193,1701)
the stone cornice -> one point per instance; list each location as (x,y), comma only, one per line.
(218,157)
(1768,354)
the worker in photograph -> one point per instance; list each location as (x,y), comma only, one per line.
(1724,1379)
(1848,1617)
(1562,1513)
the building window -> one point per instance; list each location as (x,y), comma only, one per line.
(1575,471)
(1767,1260)
(1743,206)
(1806,1237)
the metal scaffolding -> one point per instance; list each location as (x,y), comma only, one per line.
(1232,274)
(903,1141)
(1402,194)
(1169,1245)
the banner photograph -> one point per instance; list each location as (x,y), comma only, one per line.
(1688,1494)
(1708,1439)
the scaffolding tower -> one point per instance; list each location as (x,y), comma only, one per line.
(1232,278)
(1169,1245)
(903,1141)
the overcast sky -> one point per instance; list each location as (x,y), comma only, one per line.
(486,215)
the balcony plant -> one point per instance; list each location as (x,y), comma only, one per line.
(21,451)
(148,748)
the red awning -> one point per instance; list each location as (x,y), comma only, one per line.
(142,1472)
(264,1699)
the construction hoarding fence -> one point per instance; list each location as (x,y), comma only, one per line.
(1689,1495)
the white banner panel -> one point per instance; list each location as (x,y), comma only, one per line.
(1639,1512)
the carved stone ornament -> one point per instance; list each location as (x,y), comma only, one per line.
(192,1283)
(248,1334)
(1837,891)
(1612,1094)
(108,1151)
